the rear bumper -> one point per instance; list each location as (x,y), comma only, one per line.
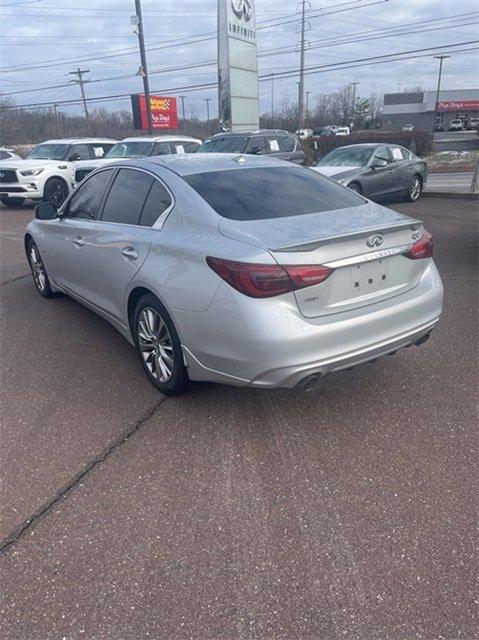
(268,343)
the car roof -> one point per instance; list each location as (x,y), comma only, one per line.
(77,141)
(253,133)
(187,164)
(161,138)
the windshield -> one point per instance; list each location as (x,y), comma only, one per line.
(347,157)
(49,152)
(130,150)
(270,192)
(226,144)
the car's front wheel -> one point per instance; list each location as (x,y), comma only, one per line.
(55,191)
(12,202)
(40,277)
(415,189)
(158,346)
(354,186)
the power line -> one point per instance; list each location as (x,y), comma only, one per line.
(346,64)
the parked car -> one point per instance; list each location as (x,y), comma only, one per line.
(271,142)
(323,131)
(377,171)
(473,124)
(456,125)
(47,171)
(304,133)
(238,269)
(342,131)
(6,154)
(139,147)
(408,127)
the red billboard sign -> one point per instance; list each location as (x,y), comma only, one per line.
(164,112)
(458,105)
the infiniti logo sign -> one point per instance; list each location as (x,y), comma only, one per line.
(242,9)
(375,241)
(2,175)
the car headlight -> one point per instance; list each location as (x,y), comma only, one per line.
(32,172)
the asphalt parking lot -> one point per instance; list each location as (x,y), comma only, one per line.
(224,514)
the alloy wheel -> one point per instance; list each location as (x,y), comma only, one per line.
(38,270)
(156,345)
(57,194)
(415,189)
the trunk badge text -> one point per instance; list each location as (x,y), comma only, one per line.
(375,241)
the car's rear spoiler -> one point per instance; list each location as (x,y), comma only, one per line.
(311,245)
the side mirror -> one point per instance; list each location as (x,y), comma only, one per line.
(73,157)
(256,151)
(377,163)
(46,211)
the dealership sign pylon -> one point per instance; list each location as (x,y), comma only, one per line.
(237,66)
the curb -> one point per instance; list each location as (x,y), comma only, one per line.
(461,195)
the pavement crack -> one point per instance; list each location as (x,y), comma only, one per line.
(27,275)
(18,532)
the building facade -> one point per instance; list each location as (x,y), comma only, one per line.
(418,108)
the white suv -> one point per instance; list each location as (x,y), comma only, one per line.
(139,147)
(47,171)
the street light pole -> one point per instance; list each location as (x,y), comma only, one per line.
(182,98)
(441,59)
(144,69)
(57,118)
(79,74)
(208,100)
(301,67)
(307,107)
(272,98)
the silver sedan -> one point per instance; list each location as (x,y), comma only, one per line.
(238,269)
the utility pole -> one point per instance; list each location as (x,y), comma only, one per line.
(79,74)
(272,98)
(301,67)
(57,118)
(441,59)
(182,98)
(144,69)
(208,100)
(307,107)
(353,117)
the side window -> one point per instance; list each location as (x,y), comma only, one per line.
(178,147)
(84,203)
(162,149)
(383,154)
(259,142)
(157,201)
(286,144)
(191,147)
(127,196)
(80,151)
(98,150)
(408,155)
(273,144)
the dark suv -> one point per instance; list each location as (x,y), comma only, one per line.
(271,142)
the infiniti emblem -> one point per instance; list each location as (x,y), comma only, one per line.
(242,9)
(2,175)
(375,241)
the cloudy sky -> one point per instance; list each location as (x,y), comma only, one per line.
(45,39)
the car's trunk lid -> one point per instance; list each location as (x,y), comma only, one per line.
(363,272)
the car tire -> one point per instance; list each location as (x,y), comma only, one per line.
(39,273)
(354,186)
(55,191)
(158,346)
(415,189)
(12,202)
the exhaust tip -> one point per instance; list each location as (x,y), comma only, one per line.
(309,382)
(423,339)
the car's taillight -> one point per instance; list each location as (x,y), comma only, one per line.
(267,280)
(423,248)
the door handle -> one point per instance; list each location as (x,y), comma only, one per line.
(130,252)
(78,242)
(391,171)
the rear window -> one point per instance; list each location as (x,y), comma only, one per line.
(270,192)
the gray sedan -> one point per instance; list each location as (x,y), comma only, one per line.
(378,171)
(238,269)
